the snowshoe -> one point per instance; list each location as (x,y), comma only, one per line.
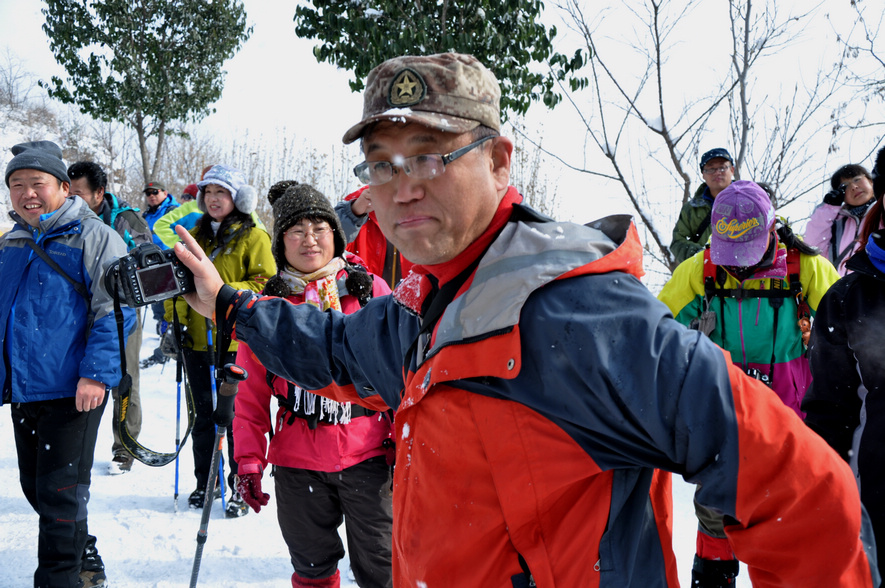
(236,506)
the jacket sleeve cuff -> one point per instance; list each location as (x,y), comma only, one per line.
(226,308)
(249,468)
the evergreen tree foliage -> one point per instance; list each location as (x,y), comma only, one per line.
(505,35)
(145,63)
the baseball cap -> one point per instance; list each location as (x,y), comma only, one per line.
(742,218)
(713,154)
(450,92)
(154,186)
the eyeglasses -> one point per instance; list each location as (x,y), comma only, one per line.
(151,192)
(424,167)
(298,235)
(717,170)
(854,181)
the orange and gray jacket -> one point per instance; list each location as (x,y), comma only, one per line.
(539,423)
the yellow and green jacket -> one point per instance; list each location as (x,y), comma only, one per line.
(760,333)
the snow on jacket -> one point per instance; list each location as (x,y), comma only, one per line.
(245,263)
(47,341)
(554,390)
(186,215)
(834,231)
(365,239)
(328,447)
(747,330)
(846,402)
(686,241)
(151,216)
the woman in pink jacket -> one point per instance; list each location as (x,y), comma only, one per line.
(835,223)
(329,459)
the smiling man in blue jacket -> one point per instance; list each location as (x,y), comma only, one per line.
(61,354)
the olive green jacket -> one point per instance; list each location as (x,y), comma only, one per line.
(688,235)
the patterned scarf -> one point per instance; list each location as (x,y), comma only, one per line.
(320,288)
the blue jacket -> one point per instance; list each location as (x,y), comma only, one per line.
(151,216)
(48,343)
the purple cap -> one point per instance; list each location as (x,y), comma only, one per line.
(742,218)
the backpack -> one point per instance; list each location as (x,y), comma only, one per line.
(715,277)
(130,214)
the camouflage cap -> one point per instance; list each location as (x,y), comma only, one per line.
(450,92)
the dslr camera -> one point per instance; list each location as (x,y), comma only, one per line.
(148,274)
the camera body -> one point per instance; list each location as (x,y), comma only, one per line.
(759,375)
(149,274)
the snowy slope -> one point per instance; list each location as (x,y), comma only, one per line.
(145,543)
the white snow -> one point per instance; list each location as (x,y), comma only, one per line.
(145,543)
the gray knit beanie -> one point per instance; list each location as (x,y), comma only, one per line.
(44,156)
(298,202)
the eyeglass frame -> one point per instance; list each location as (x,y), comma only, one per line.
(327,230)
(151,192)
(716,170)
(445,159)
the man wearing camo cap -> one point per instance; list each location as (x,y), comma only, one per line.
(539,388)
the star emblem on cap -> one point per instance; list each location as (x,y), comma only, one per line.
(407,88)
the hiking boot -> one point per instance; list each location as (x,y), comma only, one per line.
(120,465)
(156,358)
(91,567)
(93,579)
(198,497)
(707,573)
(236,506)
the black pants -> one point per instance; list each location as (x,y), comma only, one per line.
(197,366)
(55,445)
(311,506)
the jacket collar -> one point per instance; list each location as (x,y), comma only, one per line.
(69,212)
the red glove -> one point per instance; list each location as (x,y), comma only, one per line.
(249,487)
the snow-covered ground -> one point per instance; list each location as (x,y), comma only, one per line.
(145,543)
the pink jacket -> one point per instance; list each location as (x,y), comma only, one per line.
(328,448)
(829,221)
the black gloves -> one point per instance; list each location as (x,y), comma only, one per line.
(835,197)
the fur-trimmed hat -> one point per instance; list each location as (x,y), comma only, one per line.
(244,196)
(300,201)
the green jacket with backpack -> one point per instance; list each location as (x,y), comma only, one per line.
(692,230)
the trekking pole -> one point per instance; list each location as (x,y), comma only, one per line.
(223,415)
(213,384)
(178,371)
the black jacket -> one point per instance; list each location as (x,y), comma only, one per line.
(846,401)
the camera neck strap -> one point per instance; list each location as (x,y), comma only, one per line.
(124,389)
(80,287)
